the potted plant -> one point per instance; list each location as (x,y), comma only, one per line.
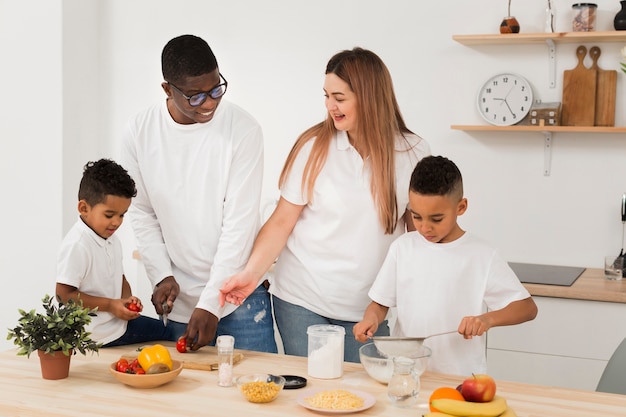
(55,335)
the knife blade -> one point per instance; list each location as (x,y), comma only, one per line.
(166,311)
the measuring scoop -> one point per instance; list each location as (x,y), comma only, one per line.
(401,346)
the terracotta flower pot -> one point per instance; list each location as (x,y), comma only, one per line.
(54,365)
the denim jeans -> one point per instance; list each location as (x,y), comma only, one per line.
(292,322)
(140,330)
(252,324)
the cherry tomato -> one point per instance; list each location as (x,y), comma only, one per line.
(134,307)
(181,345)
(134,365)
(140,371)
(122,365)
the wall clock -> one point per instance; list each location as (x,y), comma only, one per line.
(505,99)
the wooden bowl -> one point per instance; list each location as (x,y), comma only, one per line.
(147,380)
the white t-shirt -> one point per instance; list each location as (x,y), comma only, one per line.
(435,285)
(196,213)
(338,244)
(94,266)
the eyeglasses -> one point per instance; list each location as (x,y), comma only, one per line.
(199,98)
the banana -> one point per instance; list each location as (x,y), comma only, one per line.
(508,413)
(492,408)
(437,414)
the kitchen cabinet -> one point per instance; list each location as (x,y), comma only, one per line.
(569,343)
(550,40)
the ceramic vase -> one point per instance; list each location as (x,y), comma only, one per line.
(54,365)
(509,25)
(619,23)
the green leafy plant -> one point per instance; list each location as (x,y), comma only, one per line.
(61,328)
(622,64)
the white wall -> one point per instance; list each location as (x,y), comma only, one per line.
(30,154)
(273,53)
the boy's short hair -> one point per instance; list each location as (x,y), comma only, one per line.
(437,175)
(186,56)
(103,178)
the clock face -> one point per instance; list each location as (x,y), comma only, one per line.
(505,99)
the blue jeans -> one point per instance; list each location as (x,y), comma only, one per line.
(252,324)
(140,330)
(292,322)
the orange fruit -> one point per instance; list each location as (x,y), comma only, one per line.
(444,392)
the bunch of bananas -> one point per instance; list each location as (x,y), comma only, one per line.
(458,408)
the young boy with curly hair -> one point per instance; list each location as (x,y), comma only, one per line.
(90,266)
(442,278)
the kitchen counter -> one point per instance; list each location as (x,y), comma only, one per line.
(590,285)
(91,390)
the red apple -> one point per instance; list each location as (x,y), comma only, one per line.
(479,388)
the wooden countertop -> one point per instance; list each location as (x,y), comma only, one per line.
(91,390)
(590,285)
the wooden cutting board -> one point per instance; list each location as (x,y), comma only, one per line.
(579,93)
(606,85)
(203,359)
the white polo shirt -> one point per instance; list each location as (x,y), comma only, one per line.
(94,266)
(338,244)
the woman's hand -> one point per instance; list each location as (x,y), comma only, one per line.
(236,288)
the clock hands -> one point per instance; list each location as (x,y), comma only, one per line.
(507,94)
(503,100)
(507,104)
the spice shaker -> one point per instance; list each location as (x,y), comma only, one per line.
(225,349)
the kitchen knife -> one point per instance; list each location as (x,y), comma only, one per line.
(166,311)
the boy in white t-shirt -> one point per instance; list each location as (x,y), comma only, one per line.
(441,278)
(89,264)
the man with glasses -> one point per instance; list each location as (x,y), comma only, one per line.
(197,161)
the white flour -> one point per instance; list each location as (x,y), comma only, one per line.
(327,361)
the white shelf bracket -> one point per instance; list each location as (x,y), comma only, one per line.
(551,62)
(547,153)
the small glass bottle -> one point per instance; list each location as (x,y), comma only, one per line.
(225,348)
(404,386)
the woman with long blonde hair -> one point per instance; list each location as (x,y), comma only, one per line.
(344,190)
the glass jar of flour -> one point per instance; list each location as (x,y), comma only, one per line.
(325,351)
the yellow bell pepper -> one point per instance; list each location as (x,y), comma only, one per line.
(155,359)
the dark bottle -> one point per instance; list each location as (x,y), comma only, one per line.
(619,23)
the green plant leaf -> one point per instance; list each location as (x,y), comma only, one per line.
(62,327)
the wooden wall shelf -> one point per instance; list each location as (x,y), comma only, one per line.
(570,129)
(547,132)
(529,38)
(551,40)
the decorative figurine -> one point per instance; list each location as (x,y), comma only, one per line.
(509,23)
